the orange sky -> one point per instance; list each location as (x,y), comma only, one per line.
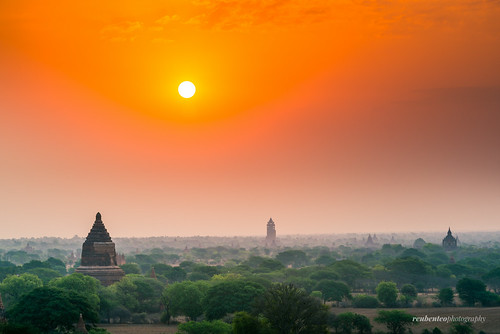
(329,116)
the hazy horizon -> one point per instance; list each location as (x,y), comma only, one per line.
(112,227)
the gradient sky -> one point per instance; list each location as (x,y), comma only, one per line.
(329,116)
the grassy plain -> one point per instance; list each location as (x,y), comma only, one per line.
(490,326)
(137,329)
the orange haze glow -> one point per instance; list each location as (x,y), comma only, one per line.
(329,116)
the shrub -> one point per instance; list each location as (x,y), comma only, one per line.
(205,327)
(365,301)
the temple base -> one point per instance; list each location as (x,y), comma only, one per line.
(107,275)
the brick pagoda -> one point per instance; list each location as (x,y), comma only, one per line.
(99,255)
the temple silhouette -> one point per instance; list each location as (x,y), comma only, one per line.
(449,242)
(99,258)
(271,234)
(3,319)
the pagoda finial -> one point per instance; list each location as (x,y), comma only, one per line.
(153,273)
(98,216)
(449,230)
(80,326)
(2,310)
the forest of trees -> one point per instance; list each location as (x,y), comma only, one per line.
(257,290)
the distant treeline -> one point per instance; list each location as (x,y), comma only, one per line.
(215,283)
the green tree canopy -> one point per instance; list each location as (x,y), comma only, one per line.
(387,293)
(346,322)
(14,287)
(445,296)
(365,301)
(493,278)
(295,258)
(408,269)
(45,274)
(79,283)
(325,260)
(172,274)
(290,310)
(244,323)
(205,327)
(470,290)
(185,298)
(230,296)
(319,275)
(333,290)
(461,328)
(396,321)
(138,293)
(409,293)
(48,308)
(131,268)
(350,271)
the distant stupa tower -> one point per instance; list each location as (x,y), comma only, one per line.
(99,255)
(449,242)
(3,320)
(271,234)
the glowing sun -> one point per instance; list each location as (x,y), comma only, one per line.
(186,89)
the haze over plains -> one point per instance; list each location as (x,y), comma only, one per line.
(329,116)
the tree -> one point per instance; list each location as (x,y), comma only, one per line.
(445,296)
(57,265)
(48,308)
(268,265)
(493,279)
(175,274)
(244,323)
(14,287)
(461,328)
(346,322)
(419,243)
(365,301)
(319,275)
(396,321)
(7,268)
(6,328)
(79,283)
(205,327)
(409,293)
(107,302)
(184,298)
(229,297)
(488,298)
(290,310)
(470,290)
(333,291)
(362,324)
(45,274)
(325,260)
(408,269)
(350,271)
(131,268)
(387,293)
(295,258)
(138,294)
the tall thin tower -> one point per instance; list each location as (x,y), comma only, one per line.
(271,234)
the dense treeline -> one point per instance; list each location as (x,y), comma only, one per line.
(244,286)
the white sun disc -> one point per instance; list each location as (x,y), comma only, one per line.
(186,89)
